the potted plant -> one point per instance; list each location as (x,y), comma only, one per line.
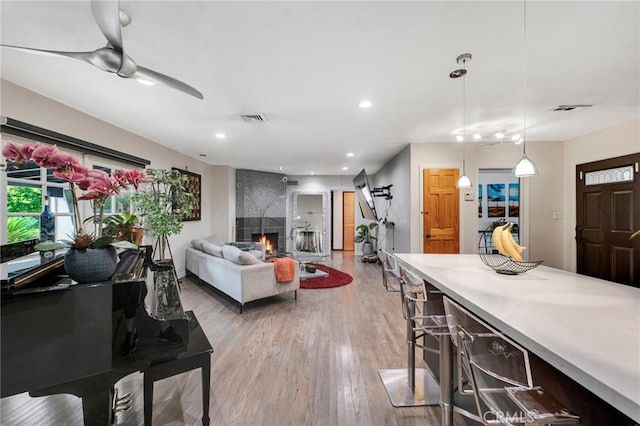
(124,227)
(160,203)
(90,257)
(368,237)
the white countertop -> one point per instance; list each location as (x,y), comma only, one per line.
(585,327)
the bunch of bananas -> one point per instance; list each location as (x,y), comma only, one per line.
(504,242)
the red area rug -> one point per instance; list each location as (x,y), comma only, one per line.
(335,279)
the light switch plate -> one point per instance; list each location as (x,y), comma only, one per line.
(468,196)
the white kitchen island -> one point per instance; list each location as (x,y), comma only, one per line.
(587,328)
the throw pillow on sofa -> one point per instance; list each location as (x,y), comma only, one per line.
(215,240)
(212,249)
(197,244)
(238,256)
(244,246)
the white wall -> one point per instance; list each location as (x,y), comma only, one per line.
(397,210)
(21,104)
(541,195)
(337,242)
(613,142)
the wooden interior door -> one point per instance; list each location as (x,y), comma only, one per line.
(607,213)
(348,220)
(441,211)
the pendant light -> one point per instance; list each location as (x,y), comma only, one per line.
(463,181)
(525,167)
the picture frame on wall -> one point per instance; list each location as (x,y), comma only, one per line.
(193,185)
(480,200)
(514,200)
(496,200)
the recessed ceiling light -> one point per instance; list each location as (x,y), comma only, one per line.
(146,82)
(499,134)
(313,173)
(345,168)
(280,167)
(220,135)
(365,104)
(477,136)
(350,154)
(459,138)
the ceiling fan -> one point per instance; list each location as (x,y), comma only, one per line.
(113,58)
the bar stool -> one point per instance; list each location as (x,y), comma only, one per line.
(390,272)
(413,386)
(500,374)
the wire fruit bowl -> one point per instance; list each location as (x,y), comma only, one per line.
(498,262)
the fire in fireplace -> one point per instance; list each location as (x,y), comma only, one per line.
(269,239)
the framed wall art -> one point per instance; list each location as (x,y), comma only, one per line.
(496,200)
(193,185)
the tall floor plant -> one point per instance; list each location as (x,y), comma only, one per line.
(161,203)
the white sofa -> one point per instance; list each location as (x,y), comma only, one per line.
(245,279)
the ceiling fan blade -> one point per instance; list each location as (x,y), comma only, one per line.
(83,56)
(147,74)
(107,16)
(105,58)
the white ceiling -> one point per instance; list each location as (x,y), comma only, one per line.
(307,65)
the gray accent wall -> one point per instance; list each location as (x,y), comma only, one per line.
(261,201)
(396,237)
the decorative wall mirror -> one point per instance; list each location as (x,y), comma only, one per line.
(310,224)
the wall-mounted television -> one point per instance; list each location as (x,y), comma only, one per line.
(364,196)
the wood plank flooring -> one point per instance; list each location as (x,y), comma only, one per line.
(313,361)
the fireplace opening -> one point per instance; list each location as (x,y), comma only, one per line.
(270,241)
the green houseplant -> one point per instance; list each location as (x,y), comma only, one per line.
(160,203)
(367,234)
(123,227)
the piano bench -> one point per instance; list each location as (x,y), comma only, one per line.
(197,355)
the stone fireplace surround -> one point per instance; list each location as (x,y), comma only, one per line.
(261,205)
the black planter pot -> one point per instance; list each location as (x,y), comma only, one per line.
(91,265)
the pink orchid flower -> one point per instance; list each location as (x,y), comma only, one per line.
(11,151)
(107,186)
(97,174)
(42,155)
(135,177)
(64,160)
(121,177)
(85,183)
(91,195)
(69,175)
(27,150)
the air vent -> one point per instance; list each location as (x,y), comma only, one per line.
(570,107)
(292,183)
(253,118)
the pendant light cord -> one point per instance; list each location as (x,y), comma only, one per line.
(524,82)
(464,116)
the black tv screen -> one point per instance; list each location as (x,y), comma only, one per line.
(364,196)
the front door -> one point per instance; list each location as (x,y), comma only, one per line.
(607,213)
(440,212)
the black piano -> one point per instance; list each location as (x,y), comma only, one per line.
(62,337)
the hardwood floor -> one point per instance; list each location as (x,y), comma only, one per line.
(313,361)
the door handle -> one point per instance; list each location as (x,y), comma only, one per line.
(427,235)
(578,236)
